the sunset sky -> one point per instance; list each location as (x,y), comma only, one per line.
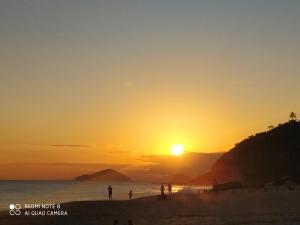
(110,81)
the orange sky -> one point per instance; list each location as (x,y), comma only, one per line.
(108,82)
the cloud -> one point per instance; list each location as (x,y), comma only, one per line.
(74,164)
(70,145)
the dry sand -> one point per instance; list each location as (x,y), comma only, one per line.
(222,208)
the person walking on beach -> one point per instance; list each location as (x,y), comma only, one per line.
(130,194)
(162,190)
(170,188)
(109,192)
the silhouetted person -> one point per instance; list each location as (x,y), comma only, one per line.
(129,222)
(170,188)
(162,190)
(109,189)
(130,194)
(116,222)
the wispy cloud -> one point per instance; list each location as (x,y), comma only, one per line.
(99,165)
(69,145)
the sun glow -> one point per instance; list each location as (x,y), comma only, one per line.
(177,149)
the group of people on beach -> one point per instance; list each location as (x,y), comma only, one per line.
(109,190)
(162,189)
(162,195)
(130,194)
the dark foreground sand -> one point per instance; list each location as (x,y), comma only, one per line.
(230,208)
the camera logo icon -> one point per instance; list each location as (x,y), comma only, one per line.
(15,209)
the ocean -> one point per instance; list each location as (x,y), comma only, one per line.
(53,192)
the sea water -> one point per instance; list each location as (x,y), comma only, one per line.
(53,192)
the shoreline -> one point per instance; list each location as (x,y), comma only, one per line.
(228,207)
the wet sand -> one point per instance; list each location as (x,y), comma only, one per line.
(222,208)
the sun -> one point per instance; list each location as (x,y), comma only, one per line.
(177,149)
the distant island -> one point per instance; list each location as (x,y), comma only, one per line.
(104,175)
(270,156)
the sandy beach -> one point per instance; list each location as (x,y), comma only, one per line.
(223,208)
